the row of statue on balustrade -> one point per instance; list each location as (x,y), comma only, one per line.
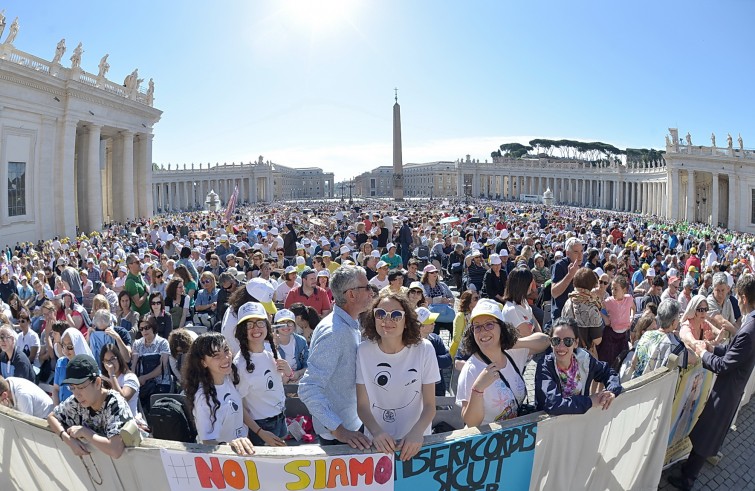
(688,138)
(131,82)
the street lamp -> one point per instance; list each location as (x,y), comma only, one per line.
(351,185)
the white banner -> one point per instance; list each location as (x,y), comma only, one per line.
(196,471)
(619,448)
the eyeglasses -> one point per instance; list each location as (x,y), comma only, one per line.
(112,359)
(77,388)
(415,292)
(488,326)
(259,323)
(145,327)
(206,282)
(604,282)
(381,314)
(365,287)
(701,309)
(568,342)
(6,338)
(283,325)
(23,319)
(68,347)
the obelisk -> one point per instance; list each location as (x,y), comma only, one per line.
(398,166)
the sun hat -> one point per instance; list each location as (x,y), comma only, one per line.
(252,310)
(425,317)
(487,306)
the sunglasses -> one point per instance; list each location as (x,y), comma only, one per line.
(68,347)
(568,342)
(144,328)
(156,303)
(158,276)
(701,309)
(23,319)
(488,326)
(381,314)
(604,282)
(205,282)
(76,388)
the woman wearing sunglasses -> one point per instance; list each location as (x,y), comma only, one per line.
(564,376)
(697,325)
(396,375)
(491,387)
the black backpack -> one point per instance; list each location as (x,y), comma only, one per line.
(169,421)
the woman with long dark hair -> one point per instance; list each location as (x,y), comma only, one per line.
(262,375)
(307,319)
(516,309)
(210,379)
(255,290)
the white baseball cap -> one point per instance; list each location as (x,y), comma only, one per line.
(285,315)
(263,292)
(487,306)
(424,316)
(252,310)
(494,259)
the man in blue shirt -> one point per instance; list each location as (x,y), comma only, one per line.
(563,273)
(328,387)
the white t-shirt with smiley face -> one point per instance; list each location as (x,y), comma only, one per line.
(262,390)
(394,384)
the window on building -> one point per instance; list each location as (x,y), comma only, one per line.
(16,189)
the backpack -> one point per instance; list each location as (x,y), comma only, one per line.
(423,252)
(169,421)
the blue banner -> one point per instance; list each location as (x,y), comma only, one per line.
(496,461)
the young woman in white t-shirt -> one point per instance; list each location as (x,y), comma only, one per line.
(262,374)
(493,345)
(396,375)
(210,379)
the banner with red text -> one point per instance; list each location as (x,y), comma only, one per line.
(196,471)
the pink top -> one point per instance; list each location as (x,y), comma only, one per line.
(619,311)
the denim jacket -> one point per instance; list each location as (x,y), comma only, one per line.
(301,351)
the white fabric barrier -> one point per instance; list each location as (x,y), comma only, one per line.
(620,448)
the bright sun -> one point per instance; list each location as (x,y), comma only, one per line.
(319,15)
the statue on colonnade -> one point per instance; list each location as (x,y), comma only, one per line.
(76,57)
(741,145)
(60,50)
(713,139)
(689,139)
(104,66)
(2,21)
(729,141)
(150,91)
(13,32)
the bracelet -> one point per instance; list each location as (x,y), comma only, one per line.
(258,431)
(477,391)
(60,435)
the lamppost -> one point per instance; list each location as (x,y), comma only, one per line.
(351,185)
(343,190)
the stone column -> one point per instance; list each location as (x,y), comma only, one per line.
(144,174)
(66,204)
(269,192)
(714,200)
(129,196)
(691,196)
(94,180)
(733,200)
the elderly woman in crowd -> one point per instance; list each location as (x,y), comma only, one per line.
(540,272)
(206,304)
(72,343)
(720,307)
(13,361)
(697,325)
(564,375)
(491,387)
(656,345)
(439,297)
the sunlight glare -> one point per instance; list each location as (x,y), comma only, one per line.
(319,15)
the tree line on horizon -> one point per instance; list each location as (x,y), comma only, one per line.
(596,153)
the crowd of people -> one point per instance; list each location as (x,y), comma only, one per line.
(348,303)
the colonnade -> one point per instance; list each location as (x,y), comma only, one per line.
(644,196)
(191,194)
(112,174)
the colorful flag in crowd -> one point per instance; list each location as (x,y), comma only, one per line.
(231,204)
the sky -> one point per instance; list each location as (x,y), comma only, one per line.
(311,83)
